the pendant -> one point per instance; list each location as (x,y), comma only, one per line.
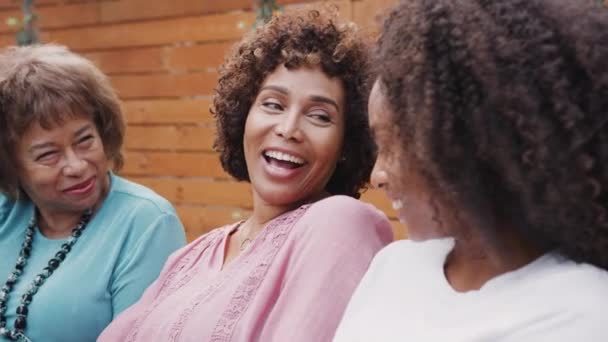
(244,244)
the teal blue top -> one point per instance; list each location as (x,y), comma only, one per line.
(121,251)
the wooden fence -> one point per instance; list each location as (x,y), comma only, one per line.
(162,57)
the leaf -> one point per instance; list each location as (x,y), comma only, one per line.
(26,37)
(265,10)
(29,17)
(12,21)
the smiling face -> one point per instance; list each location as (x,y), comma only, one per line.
(64,168)
(293,135)
(401,180)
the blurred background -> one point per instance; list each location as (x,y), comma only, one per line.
(162,58)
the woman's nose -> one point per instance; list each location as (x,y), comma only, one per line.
(75,165)
(289,127)
(379,177)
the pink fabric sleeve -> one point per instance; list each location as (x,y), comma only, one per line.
(333,246)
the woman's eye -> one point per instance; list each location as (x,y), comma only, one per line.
(321,117)
(272,105)
(46,156)
(85,140)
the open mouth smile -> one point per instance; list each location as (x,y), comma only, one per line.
(283,160)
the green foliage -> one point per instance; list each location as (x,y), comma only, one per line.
(265,9)
(12,21)
(27,33)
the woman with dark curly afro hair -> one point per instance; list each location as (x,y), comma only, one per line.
(291,118)
(491,118)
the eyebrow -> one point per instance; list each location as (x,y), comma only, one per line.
(82,129)
(281,90)
(40,146)
(50,144)
(324,99)
(315,98)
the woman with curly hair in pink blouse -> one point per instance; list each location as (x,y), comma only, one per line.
(291,119)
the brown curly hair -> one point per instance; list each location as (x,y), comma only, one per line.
(48,84)
(507,102)
(298,38)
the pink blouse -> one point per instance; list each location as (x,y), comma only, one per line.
(292,283)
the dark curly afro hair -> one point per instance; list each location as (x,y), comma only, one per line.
(298,38)
(507,101)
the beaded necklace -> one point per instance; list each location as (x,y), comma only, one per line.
(26,298)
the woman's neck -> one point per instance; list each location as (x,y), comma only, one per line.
(57,225)
(475,260)
(264,212)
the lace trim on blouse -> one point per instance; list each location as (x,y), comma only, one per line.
(276,232)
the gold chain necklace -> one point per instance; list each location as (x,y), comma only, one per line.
(244,242)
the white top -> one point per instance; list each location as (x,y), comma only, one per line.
(405,297)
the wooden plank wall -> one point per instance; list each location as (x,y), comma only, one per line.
(162,57)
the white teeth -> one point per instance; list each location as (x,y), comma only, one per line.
(284,156)
(397,204)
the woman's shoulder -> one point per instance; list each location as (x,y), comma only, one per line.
(573,277)
(574,294)
(430,247)
(342,207)
(418,253)
(139,212)
(137,197)
(345,217)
